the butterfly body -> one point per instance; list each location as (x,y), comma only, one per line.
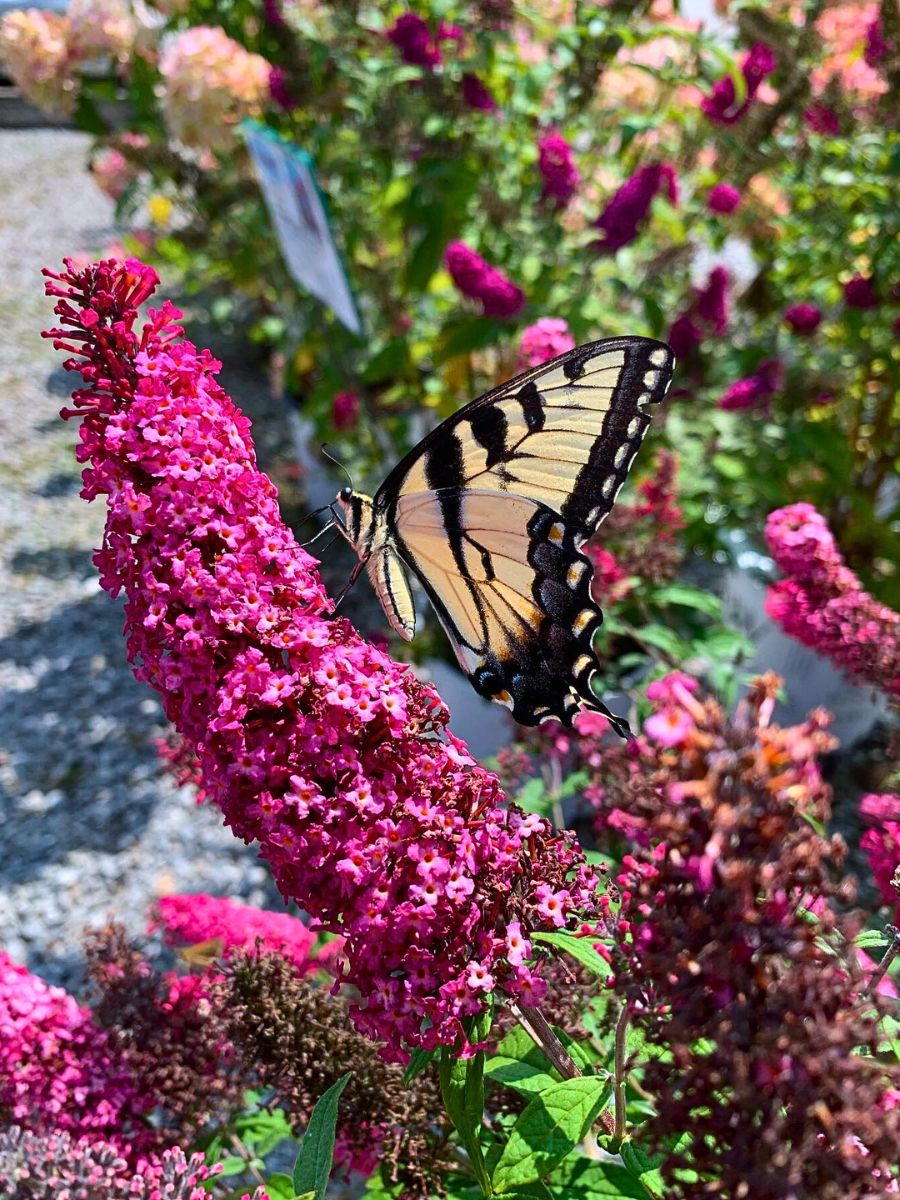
(490,511)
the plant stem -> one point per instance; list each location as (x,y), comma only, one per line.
(538,1029)
(619,1077)
(245,1154)
(889,955)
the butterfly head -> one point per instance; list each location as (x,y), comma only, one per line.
(357,519)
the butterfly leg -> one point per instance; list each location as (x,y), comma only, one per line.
(354,575)
(312,541)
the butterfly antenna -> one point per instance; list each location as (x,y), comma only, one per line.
(340,466)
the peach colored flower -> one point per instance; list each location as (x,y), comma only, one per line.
(843,32)
(101,29)
(34,48)
(210,83)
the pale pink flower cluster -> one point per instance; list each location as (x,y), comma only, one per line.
(112,170)
(43,51)
(57,1166)
(34,48)
(844,30)
(192,918)
(313,742)
(545,339)
(57,1070)
(210,84)
(823,604)
(101,29)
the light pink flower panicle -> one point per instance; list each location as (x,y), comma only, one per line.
(823,604)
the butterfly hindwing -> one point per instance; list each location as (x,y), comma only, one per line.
(512,590)
(563,434)
(490,512)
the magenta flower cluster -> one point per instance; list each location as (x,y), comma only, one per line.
(707,314)
(189,918)
(412,36)
(561,178)
(279,89)
(882,843)
(57,1166)
(478,280)
(314,743)
(345,409)
(821,118)
(723,198)
(859,292)
(823,604)
(804,319)
(629,207)
(722,106)
(754,391)
(57,1069)
(545,339)
(476,94)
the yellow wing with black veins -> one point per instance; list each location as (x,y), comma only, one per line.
(491,509)
(563,434)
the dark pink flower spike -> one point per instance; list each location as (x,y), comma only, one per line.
(312,741)
(478,280)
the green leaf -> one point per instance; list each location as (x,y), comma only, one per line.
(261,1130)
(872,939)
(87,116)
(426,258)
(390,361)
(548,1130)
(378,1189)
(533,798)
(418,1061)
(467,334)
(281,1187)
(664,639)
(589,1180)
(232,1165)
(729,466)
(313,1165)
(688,597)
(644,1168)
(520,1064)
(462,1088)
(579,948)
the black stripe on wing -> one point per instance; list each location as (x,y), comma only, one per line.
(528,430)
(539,671)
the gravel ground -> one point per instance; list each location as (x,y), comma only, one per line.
(90,826)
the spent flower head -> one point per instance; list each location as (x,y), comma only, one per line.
(721,964)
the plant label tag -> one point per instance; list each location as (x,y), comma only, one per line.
(287,177)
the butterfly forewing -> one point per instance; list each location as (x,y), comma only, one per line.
(563,434)
(490,511)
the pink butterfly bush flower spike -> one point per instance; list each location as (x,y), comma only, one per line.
(823,604)
(478,280)
(312,742)
(189,918)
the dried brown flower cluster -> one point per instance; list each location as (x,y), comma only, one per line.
(734,963)
(168,1032)
(299,1040)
